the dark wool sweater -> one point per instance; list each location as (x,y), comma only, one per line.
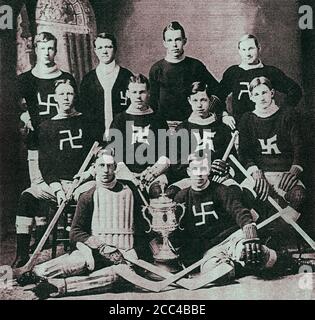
(170,83)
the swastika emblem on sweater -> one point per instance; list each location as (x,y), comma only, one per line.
(70,138)
(203,213)
(123,99)
(268,145)
(140,134)
(48,104)
(243,91)
(206,142)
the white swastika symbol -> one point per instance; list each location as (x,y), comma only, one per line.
(50,103)
(203,213)
(70,139)
(123,98)
(140,134)
(243,91)
(270,145)
(206,142)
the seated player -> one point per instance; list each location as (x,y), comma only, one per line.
(213,212)
(204,132)
(139,126)
(62,147)
(103,224)
(271,147)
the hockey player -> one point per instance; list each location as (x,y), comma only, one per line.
(37,88)
(204,131)
(172,76)
(63,145)
(103,90)
(213,212)
(271,147)
(139,126)
(103,224)
(236,80)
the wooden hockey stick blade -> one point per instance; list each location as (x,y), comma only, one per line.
(126,273)
(33,259)
(210,276)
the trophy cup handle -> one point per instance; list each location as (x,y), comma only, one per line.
(181,217)
(144,208)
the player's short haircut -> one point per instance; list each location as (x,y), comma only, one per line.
(174,25)
(106,151)
(140,78)
(105,35)
(198,86)
(198,156)
(57,83)
(246,37)
(44,37)
(258,81)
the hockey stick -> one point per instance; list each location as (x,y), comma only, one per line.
(33,259)
(196,282)
(217,178)
(303,234)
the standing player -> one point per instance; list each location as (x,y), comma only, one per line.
(271,147)
(236,80)
(37,88)
(103,90)
(172,76)
(62,147)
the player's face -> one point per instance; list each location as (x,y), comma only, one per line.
(104,50)
(174,43)
(200,104)
(105,169)
(262,96)
(45,52)
(249,52)
(198,172)
(64,96)
(138,94)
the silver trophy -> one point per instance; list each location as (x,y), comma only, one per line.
(163,222)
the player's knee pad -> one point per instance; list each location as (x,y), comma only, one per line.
(296,196)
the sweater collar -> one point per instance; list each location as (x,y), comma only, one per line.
(269,112)
(110,185)
(172,60)
(251,67)
(107,69)
(43,72)
(60,116)
(136,112)
(200,121)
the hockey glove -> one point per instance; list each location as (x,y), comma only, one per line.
(289,179)
(261,185)
(252,252)
(111,253)
(220,167)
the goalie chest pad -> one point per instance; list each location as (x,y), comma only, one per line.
(112,218)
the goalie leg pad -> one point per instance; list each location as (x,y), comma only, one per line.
(63,266)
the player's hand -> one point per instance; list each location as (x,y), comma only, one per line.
(84,176)
(61,196)
(289,179)
(229,121)
(26,118)
(261,186)
(252,252)
(93,242)
(147,176)
(111,253)
(220,167)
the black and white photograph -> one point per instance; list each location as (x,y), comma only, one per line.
(158,150)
